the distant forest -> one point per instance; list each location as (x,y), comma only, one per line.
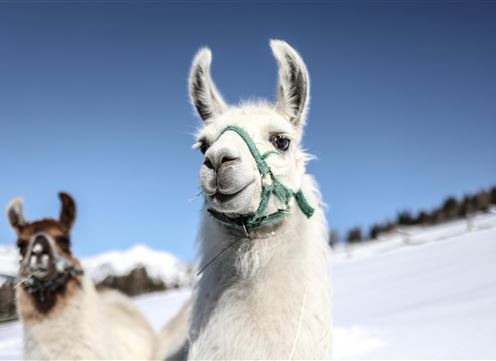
(451,209)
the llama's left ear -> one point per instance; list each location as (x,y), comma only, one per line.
(68,211)
(294,83)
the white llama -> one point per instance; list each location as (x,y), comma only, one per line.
(64,317)
(264,292)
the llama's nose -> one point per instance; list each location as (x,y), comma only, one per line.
(220,157)
(39,252)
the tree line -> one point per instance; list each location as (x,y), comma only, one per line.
(451,209)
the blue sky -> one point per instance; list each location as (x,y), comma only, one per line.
(93,101)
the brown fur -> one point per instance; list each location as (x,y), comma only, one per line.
(59,231)
(33,310)
(61,235)
(52,228)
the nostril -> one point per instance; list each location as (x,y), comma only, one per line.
(207,163)
(226,160)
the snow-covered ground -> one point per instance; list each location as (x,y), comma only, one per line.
(429,293)
(435,298)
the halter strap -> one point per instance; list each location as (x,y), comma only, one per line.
(37,287)
(270,185)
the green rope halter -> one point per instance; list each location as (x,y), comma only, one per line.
(270,185)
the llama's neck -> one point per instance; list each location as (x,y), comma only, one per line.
(249,256)
(38,305)
(71,320)
(275,281)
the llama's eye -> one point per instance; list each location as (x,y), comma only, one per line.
(204,146)
(280,142)
(21,247)
(64,242)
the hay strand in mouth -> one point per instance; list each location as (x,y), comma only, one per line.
(195,197)
(23,280)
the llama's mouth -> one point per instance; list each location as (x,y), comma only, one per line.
(227,194)
(40,273)
(38,270)
(222,198)
(233,202)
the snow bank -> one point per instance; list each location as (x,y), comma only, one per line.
(8,263)
(159,265)
(415,235)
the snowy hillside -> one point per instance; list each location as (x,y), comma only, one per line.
(159,265)
(8,263)
(425,293)
(433,298)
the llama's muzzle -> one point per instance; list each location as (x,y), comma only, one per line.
(270,186)
(227,176)
(40,258)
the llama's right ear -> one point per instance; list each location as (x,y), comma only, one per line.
(15,215)
(204,95)
(68,211)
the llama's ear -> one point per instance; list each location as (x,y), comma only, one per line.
(68,211)
(204,95)
(15,215)
(294,83)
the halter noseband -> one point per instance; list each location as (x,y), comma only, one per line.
(40,288)
(270,185)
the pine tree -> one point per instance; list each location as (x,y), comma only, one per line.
(481,201)
(466,206)
(375,230)
(405,218)
(451,208)
(354,235)
(423,218)
(493,195)
(333,237)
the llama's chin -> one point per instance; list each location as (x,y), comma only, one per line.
(40,273)
(240,203)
